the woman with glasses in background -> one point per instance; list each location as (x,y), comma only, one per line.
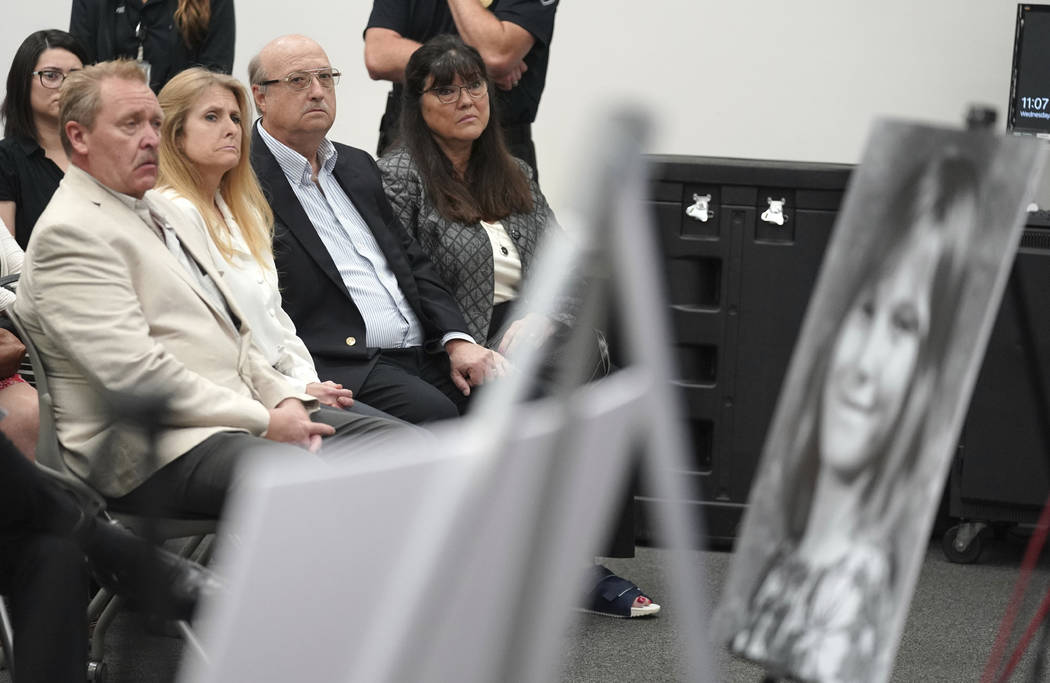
(473,207)
(168,35)
(32,160)
(480,217)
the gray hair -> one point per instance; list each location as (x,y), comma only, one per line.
(256,76)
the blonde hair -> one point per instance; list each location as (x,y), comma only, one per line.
(239,187)
(81,95)
(192,18)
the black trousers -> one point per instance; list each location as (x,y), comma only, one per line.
(46,579)
(43,573)
(413,385)
(198,481)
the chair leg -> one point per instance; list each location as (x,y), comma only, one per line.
(204,556)
(98,636)
(98,603)
(190,546)
(105,606)
(190,638)
(7,655)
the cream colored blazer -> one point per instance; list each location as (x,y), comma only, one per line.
(111,309)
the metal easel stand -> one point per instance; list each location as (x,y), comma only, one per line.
(7,656)
(983,118)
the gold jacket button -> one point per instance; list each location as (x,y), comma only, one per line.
(350,341)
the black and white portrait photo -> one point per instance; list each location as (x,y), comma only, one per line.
(870,411)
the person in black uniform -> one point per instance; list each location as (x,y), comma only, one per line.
(169,35)
(513,37)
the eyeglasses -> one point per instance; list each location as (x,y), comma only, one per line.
(300,80)
(52,78)
(447,94)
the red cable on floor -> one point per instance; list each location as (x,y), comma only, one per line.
(1033,626)
(1035,547)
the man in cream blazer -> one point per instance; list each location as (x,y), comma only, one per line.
(120,295)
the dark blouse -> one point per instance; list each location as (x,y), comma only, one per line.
(27,178)
(106,28)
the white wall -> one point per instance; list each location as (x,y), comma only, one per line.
(762,79)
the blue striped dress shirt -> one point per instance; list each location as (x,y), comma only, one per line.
(389,320)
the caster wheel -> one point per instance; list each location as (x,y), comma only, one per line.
(96,672)
(955,549)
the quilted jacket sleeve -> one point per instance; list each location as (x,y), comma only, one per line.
(404,189)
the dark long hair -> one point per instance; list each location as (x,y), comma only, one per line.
(494,185)
(933,190)
(192,18)
(16,110)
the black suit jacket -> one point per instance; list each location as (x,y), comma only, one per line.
(325,315)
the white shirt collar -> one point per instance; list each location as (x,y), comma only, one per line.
(296,167)
(143,208)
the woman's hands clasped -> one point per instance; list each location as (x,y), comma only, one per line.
(331,394)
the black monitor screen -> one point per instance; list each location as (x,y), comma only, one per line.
(1030,85)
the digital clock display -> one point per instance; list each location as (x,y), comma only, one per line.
(1032,103)
(1030,86)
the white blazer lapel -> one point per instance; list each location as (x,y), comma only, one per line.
(192,241)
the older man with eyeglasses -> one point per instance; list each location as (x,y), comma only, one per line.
(364,297)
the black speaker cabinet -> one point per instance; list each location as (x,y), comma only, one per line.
(742,242)
(1001,472)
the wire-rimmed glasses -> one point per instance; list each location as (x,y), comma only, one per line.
(300,80)
(447,94)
